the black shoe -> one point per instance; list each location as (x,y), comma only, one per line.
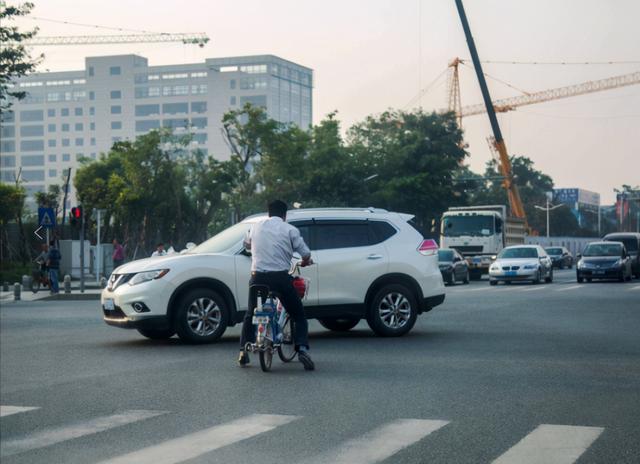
(243,359)
(306,361)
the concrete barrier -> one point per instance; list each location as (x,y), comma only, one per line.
(16,291)
(67,283)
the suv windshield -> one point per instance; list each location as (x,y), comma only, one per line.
(515,253)
(475,226)
(224,240)
(445,255)
(631,244)
(554,251)
(602,249)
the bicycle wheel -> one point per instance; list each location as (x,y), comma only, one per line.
(266,356)
(287,349)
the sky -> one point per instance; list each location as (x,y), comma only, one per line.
(371,55)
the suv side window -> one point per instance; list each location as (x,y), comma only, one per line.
(305,231)
(381,231)
(341,234)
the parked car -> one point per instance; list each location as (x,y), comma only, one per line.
(521,263)
(560,257)
(631,241)
(604,260)
(370,264)
(453,266)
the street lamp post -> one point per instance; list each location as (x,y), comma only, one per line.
(548,208)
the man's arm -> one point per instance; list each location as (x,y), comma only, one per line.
(247,240)
(298,245)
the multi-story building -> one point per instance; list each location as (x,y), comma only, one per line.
(68,116)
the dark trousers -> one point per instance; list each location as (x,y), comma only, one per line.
(281,283)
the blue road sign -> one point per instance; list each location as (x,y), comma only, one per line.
(46,217)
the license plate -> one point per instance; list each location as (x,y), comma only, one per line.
(109,305)
(599,272)
(477,260)
(511,273)
(260,319)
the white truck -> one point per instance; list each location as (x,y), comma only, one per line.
(479,233)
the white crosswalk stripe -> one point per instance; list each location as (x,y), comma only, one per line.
(9,410)
(551,444)
(56,435)
(201,442)
(381,443)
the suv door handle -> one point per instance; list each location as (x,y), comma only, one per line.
(374,256)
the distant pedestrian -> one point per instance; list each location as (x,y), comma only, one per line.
(159,250)
(118,254)
(53,264)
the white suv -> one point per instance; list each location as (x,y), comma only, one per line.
(370,264)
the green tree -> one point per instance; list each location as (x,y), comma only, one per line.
(50,199)
(15,60)
(11,208)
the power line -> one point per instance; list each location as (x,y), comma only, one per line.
(425,90)
(499,80)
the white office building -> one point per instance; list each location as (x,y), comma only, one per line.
(68,116)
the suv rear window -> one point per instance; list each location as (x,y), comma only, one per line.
(630,243)
(381,231)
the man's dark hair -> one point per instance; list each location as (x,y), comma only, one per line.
(278,208)
(159,244)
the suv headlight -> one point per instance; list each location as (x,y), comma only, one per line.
(146,276)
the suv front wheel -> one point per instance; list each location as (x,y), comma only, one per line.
(393,311)
(202,316)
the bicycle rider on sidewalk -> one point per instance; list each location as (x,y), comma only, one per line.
(272,243)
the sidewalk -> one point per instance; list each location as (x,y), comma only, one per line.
(90,293)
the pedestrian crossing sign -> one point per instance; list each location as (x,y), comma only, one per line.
(46,217)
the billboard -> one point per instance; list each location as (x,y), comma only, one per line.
(576,197)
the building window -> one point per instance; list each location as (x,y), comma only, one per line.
(199,123)
(199,138)
(92,111)
(66,157)
(65,127)
(92,95)
(116,109)
(31,116)
(52,143)
(116,94)
(147,110)
(198,107)
(91,71)
(7,132)
(79,142)
(115,71)
(79,126)
(232,84)
(115,125)
(51,113)
(32,160)
(93,141)
(32,145)
(53,158)
(51,127)
(232,101)
(33,176)
(64,112)
(31,131)
(175,108)
(78,111)
(175,123)
(53,172)
(199,89)
(92,126)
(146,126)
(7,145)
(65,142)
(8,161)
(79,156)
(254,100)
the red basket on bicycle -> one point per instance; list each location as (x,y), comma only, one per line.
(300,284)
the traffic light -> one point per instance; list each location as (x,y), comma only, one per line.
(75,216)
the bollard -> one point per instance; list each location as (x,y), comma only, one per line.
(67,283)
(26,281)
(103,282)
(16,291)
(5,287)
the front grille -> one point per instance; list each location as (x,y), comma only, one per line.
(469,249)
(510,268)
(118,279)
(115,314)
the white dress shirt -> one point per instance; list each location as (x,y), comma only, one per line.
(272,243)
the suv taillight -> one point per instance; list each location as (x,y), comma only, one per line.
(428,247)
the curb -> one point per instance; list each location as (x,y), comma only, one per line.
(72,297)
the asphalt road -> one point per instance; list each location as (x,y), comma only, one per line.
(508,374)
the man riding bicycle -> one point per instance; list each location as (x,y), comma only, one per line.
(272,243)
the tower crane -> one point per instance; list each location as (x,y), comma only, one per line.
(199,39)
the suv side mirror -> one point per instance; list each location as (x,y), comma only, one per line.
(579,256)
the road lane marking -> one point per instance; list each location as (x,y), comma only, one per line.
(569,288)
(196,444)
(637,287)
(53,436)
(9,410)
(557,444)
(479,289)
(380,443)
(533,289)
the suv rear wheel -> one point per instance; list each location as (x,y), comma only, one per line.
(202,316)
(339,325)
(392,311)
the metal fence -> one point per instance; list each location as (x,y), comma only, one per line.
(573,244)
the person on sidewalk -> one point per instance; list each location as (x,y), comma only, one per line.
(118,254)
(272,243)
(53,264)
(159,250)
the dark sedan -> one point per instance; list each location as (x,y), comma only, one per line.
(560,257)
(604,260)
(453,267)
